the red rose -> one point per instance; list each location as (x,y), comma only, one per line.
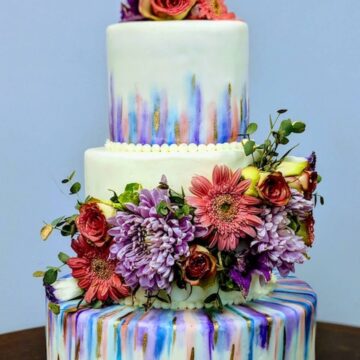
(274,189)
(199,266)
(165,9)
(92,224)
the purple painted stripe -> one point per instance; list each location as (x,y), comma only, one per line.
(112,109)
(119,110)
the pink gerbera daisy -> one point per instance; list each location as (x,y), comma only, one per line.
(223,208)
(95,272)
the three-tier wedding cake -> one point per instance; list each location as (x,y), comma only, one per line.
(185,241)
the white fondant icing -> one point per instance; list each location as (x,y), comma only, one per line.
(182,71)
(108,169)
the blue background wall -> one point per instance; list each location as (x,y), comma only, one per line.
(305,55)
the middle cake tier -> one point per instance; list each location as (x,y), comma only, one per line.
(117,164)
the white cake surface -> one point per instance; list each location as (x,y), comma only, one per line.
(178,81)
(116,165)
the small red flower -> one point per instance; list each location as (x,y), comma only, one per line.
(95,272)
(199,266)
(92,224)
(274,189)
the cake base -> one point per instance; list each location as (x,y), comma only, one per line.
(278,326)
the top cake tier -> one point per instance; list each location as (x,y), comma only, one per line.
(178,81)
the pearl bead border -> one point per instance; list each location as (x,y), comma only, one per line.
(165,148)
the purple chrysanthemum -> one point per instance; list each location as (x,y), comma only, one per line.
(148,244)
(246,265)
(277,242)
(299,206)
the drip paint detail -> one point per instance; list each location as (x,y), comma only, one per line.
(278,326)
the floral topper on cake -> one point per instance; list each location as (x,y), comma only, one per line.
(134,10)
(223,230)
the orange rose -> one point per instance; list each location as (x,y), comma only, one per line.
(165,10)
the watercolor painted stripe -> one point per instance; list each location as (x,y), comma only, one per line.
(156,119)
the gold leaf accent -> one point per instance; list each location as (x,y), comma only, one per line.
(229,89)
(232,355)
(99,327)
(192,355)
(177,131)
(215,129)
(174,329)
(156,120)
(77,350)
(216,331)
(193,81)
(144,342)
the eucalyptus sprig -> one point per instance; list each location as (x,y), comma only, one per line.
(51,274)
(266,156)
(65,224)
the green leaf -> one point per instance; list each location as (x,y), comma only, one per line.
(252,127)
(162,208)
(286,127)
(69,229)
(282,111)
(71,176)
(50,276)
(129,197)
(298,127)
(163,296)
(284,140)
(97,305)
(64,181)
(267,143)
(177,198)
(38,274)
(132,187)
(319,179)
(63,257)
(249,147)
(75,188)
(115,196)
(271,122)
(56,222)
(211,298)
(55,308)
(322,200)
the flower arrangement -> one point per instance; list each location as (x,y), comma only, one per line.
(134,10)
(221,230)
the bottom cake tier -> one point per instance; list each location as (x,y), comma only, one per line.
(278,326)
